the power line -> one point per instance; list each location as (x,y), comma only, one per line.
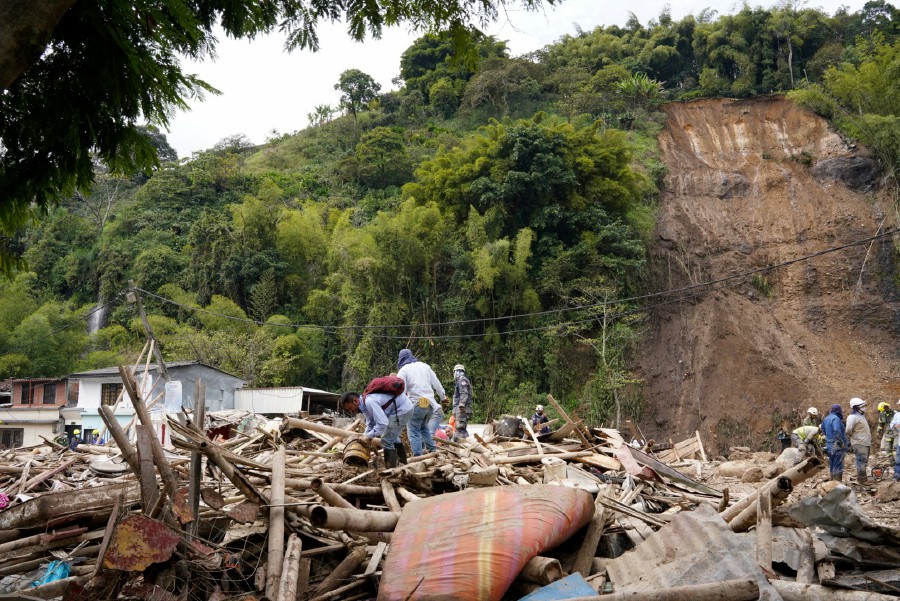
(63,328)
(562,310)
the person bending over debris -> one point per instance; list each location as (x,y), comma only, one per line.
(835,442)
(886,433)
(803,436)
(421,385)
(860,437)
(386,416)
(462,402)
(540,418)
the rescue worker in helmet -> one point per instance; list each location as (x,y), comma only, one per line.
(860,438)
(883,430)
(462,402)
(540,418)
(75,439)
(812,418)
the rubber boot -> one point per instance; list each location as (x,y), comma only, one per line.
(401,452)
(390,458)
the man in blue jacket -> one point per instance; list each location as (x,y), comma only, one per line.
(386,417)
(836,442)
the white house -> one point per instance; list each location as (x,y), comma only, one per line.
(103,387)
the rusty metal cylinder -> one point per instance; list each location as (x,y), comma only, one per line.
(356,454)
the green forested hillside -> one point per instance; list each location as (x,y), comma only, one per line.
(493,211)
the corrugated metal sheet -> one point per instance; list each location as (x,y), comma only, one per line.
(269,400)
(696,547)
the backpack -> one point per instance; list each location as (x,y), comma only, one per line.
(391,385)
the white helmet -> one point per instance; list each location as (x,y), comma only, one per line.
(539,408)
(459,367)
(857,402)
(813,411)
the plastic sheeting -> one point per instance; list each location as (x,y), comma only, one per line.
(471,545)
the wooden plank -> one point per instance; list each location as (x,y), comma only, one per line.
(375,559)
(700,442)
(600,461)
(149,488)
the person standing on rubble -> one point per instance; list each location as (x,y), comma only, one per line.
(883,430)
(421,385)
(462,402)
(540,418)
(386,416)
(895,428)
(835,442)
(860,436)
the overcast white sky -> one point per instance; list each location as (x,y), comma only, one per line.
(265,88)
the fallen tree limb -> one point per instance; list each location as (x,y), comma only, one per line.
(796,591)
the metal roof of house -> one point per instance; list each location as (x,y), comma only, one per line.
(107,372)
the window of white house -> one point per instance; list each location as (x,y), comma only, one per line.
(50,394)
(11,438)
(109,393)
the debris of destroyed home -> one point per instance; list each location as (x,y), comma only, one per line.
(238,509)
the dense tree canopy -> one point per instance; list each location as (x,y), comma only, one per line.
(491,211)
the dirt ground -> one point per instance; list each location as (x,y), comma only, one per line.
(744,191)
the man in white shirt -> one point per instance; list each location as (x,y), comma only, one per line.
(421,385)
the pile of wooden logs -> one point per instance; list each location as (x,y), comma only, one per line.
(306,512)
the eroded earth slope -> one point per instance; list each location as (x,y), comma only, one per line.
(752,184)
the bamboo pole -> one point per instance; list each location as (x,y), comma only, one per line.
(329,495)
(776,495)
(390,497)
(342,572)
(359,520)
(339,487)
(533,458)
(287,588)
(48,474)
(275,561)
(797,474)
(542,570)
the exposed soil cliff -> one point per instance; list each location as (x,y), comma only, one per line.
(751,184)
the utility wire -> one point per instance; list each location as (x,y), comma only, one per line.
(63,328)
(559,311)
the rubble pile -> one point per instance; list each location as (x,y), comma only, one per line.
(245,507)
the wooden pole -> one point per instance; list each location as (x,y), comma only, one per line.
(797,474)
(764,532)
(149,488)
(342,572)
(159,455)
(390,497)
(275,561)
(776,495)
(287,588)
(197,457)
(136,299)
(585,557)
(542,570)
(329,495)
(118,434)
(358,520)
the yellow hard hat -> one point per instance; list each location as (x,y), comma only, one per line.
(95,432)
(882,407)
(76,431)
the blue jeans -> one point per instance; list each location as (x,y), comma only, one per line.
(435,422)
(897,463)
(395,426)
(417,430)
(836,462)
